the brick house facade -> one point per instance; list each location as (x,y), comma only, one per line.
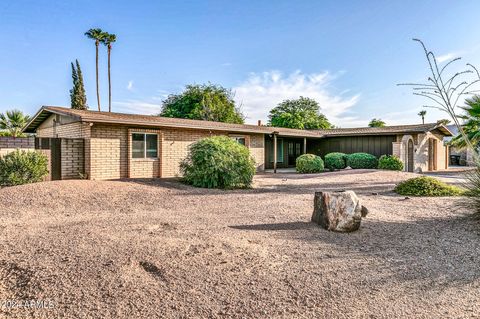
(101,145)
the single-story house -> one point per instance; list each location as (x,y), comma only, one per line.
(103,145)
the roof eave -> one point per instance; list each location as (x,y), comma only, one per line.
(44,110)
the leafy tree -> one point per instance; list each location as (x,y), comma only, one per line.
(472,124)
(107,40)
(444,121)
(97,35)
(302,113)
(422,115)
(12,122)
(78,97)
(203,102)
(376,123)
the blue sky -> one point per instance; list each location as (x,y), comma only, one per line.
(349,55)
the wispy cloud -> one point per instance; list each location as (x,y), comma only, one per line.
(446,57)
(263,91)
(130,85)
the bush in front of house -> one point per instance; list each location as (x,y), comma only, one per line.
(427,186)
(218,162)
(362,160)
(390,162)
(309,163)
(335,160)
(22,167)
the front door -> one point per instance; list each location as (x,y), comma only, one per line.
(294,151)
(432,154)
(410,156)
(56,158)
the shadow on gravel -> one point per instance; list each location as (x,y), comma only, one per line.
(297,176)
(428,252)
(276,226)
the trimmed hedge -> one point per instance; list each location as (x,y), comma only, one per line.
(218,162)
(390,162)
(362,160)
(22,167)
(309,163)
(335,160)
(427,186)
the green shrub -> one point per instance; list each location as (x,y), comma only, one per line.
(362,160)
(218,162)
(22,167)
(390,162)
(335,161)
(427,186)
(309,163)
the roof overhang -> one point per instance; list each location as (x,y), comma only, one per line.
(40,117)
(442,128)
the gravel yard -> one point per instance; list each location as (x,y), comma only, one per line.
(154,249)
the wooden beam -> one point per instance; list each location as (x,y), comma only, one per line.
(304,145)
(274,153)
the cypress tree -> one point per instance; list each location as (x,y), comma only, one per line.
(78,97)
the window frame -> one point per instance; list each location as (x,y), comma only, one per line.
(245,138)
(144,146)
(280,149)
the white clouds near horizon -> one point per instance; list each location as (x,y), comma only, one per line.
(260,92)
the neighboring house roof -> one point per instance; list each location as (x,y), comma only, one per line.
(388,130)
(158,121)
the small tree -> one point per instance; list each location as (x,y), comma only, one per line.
(445,91)
(376,123)
(203,102)
(444,121)
(78,97)
(472,124)
(12,122)
(302,113)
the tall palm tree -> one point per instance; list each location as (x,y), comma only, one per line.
(108,39)
(13,122)
(97,35)
(422,114)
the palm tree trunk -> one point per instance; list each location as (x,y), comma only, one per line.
(109,81)
(423,120)
(96,61)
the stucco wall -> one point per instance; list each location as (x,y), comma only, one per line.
(421,151)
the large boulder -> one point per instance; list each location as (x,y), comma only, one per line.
(338,211)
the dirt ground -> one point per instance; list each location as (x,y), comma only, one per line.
(160,249)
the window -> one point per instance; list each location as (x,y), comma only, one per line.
(144,145)
(239,139)
(279,151)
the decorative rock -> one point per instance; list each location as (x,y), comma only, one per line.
(338,211)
